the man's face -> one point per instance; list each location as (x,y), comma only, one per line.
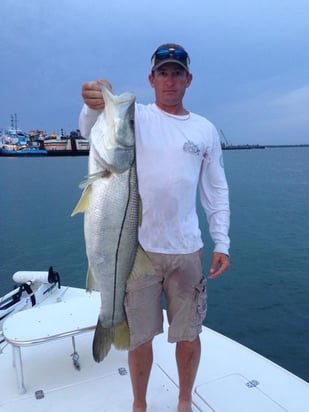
(170,82)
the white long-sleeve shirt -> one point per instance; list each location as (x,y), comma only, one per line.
(176,156)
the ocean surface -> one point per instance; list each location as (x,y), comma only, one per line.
(261,302)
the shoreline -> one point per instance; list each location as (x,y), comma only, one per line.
(63,153)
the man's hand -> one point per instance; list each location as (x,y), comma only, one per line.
(220,263)
(92,94)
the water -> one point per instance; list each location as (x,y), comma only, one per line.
(262,301)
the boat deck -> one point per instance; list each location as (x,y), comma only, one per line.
(231,377)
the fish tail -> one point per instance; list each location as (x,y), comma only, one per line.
(102,342)
(105,337)
(122,336)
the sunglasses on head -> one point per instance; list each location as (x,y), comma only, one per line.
(177,54)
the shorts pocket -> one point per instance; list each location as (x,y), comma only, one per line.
(201,300)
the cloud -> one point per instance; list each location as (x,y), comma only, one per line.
(289,113)
(269,117)
(293,102)
(249,59)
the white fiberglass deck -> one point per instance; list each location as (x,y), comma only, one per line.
(231,377)
(45,323)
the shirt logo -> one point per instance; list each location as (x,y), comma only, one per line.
(191,147)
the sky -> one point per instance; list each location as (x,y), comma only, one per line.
(249,60)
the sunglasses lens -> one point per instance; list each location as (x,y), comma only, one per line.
(176,54)
(162,54)
(180,54)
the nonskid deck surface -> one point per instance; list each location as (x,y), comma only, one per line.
(231,378)
(53,383)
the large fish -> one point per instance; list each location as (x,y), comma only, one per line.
(110,202)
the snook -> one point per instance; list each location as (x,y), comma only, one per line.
(110,202)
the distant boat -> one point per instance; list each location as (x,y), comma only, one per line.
(57,144)
(21,150)
(14,142)
(78,147)
(66,145)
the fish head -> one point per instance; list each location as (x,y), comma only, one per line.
(113,137)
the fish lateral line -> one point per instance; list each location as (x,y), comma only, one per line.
(121,231)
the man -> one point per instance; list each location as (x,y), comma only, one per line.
(177,152)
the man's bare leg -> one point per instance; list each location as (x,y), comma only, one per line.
(140,362)
(188,358)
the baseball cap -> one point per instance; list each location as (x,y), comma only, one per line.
(170,53)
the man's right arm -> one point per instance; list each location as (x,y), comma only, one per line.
(94,104)
(87,119)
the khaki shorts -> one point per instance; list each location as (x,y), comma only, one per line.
(181,279)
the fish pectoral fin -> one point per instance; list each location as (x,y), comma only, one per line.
(83,202)
(102,342)
(122,336)
(142,265)
(93,177)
